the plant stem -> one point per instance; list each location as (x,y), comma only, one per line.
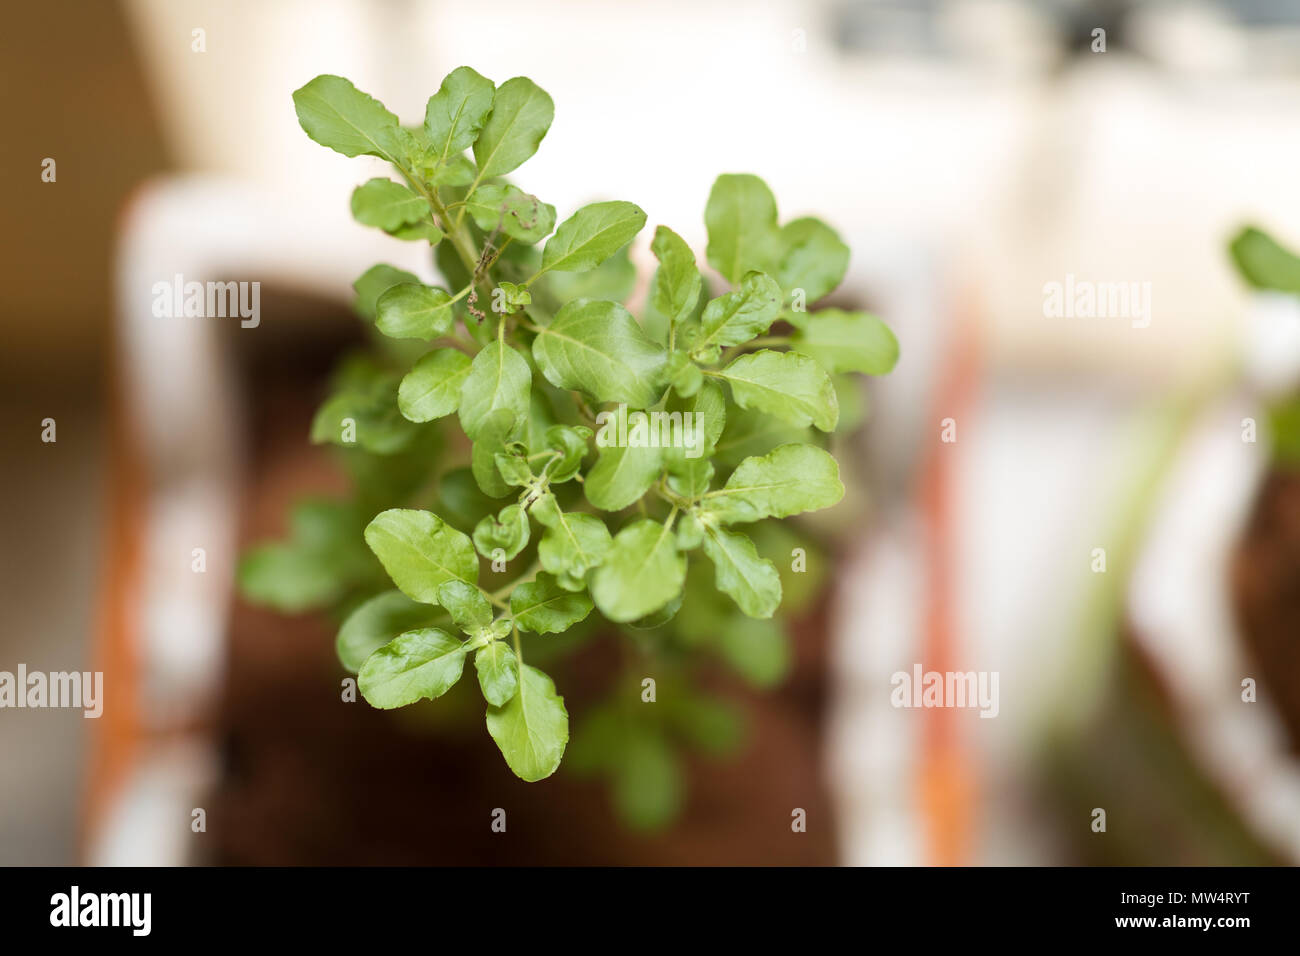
(753,344)
(459,238)
(459,341)
(667,494)
(523,578)
(583,408)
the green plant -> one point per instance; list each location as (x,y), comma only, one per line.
(577,454)
(1268,266)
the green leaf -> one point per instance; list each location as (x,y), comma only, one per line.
(612,280)
(513,469)
(457,171)
(847,341)
(414,665)
(431,389)
(569,442)
(508,531)
(741,219)
(452,270)
(420,552)
(499,378)
(642,572)
(738,316)
(469,609)
(377,621)
(598,347)
(598,742)
(455,114)
(515,296)
(414,311)
(705,611)
(677,282)
(365,414)
(659,326)
(812,257)
(373,283)
(387,205)
(787,385)
(1265,263)
(531,728)
(684,375)
(543,607)
(516,213)
(689,532)
(713,726)
(660,617)
(418,153)
(1284,431)
(787,480)
(647,784)
(336,114)
(755,649)
(850,395)
(621,475)
(541,416)
(521,115)
(591,235)
(752,581)
(460,500)
(690,477)
(416,231)
(288,577)
(573,543)
(498,673)
(494,433)
(748,433)
(708,407)
(325,524)
(802,588)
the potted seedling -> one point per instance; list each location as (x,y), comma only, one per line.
(1266,565)
(535,467)
(1139,738)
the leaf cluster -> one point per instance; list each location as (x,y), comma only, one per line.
(497,434)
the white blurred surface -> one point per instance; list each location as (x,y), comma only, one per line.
(1112,170)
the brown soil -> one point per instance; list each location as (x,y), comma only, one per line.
(1266,589)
